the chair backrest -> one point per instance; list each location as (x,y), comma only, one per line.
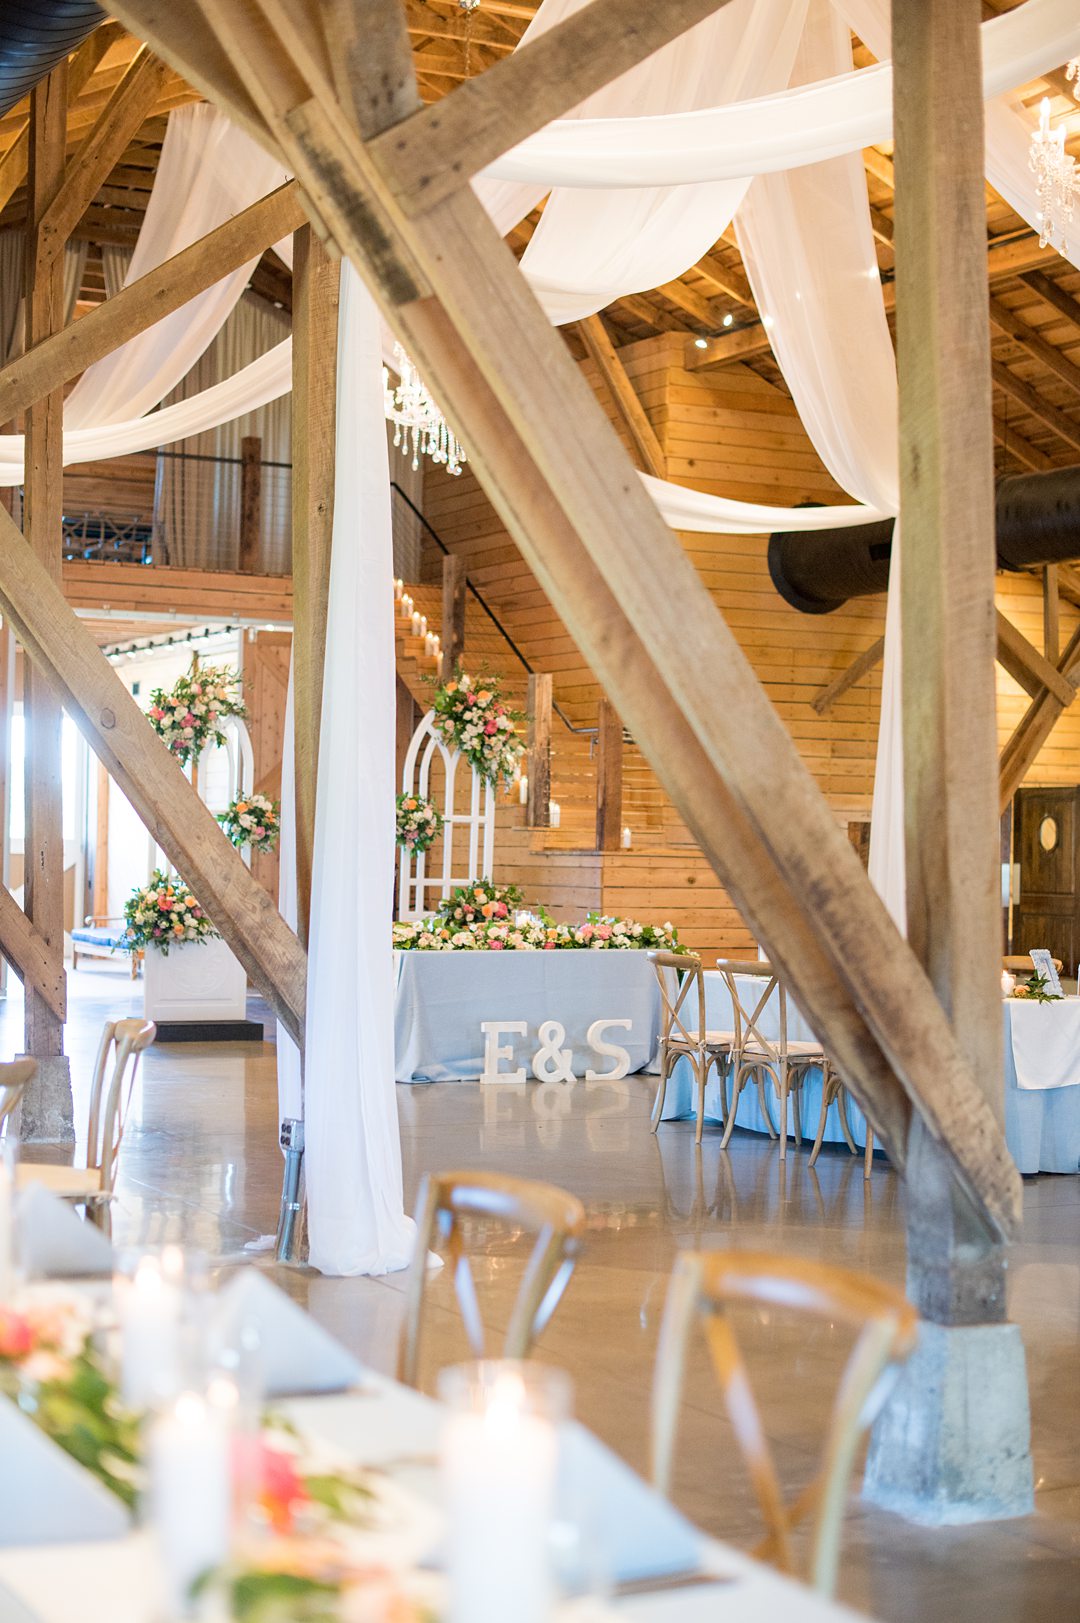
(703,1285)
(679,976)
(15,1078)
(122,1041)
(1021,964)
(447,1199)
(749,1014)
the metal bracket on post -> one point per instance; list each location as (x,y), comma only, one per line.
(292,1201)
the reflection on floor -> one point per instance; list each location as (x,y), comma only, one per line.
(201,1165)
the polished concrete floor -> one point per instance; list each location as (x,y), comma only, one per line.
(200,1165)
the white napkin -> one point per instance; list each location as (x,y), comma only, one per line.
(54,1241)
(45,1497)
(297,1354)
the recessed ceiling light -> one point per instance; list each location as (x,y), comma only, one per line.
(728,319)
(701,343)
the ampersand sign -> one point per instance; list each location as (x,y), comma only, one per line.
(551,1063)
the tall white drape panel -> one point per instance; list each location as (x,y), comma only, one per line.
(357,1220)
(809,253)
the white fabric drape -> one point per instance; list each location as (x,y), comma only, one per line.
(797,126)
(809,253)
(357,1220)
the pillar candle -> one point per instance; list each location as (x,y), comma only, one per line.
(416,617)
(149,1312)
(523,790)
(399,589)
(423,625)
(190,1496)
(498,1476)
(554,813)
(627,839)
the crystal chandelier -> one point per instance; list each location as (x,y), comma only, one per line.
(417,420)
(1072,72)
(1055,180)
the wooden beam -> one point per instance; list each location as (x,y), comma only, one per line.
(81,67)
(692,302)
(609,778)
(538,756)
(955,1261)
(373,77)
(1051,613)
(32,957)
(1035,345)
(1036,725)
(1031,400)
(67,657)
(452,635)
(250,504)
(127,108)
(1052,294)
(65,354)
(437,151)
(1026,665)
(638,611)
(43,884)
(726,279)
(1015,445)
(824,700)
(649,452)
(1068,580)
(314,370)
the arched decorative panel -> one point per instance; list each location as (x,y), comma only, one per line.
(466,848)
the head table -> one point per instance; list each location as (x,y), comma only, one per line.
(394,1430)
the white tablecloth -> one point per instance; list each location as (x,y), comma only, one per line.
(386,1424)
(1042,1084)
(681,1097)
(441,998)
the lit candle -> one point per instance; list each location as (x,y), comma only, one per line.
(554,813)
(423,625)
(399,588)
(149,1313)
(406,605)
(627,839)
(523,790)
(416,619)
(190,1496)
(498,1470)
(1007,983)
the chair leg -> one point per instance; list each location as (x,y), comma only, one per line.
(825,1103)
(760,1073)
(783,1110)
(868,1157)
(723,1065)
(738,1079)
(661,1088)
(845,1126)
(796,1106)
(701,1067)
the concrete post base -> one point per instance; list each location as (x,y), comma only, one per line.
(47,1115)
(953,1442)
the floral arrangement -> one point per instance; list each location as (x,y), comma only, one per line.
(50,1368)
(529,933)
(1036,989)
(483,899)
(164,914)
(471,717)
(253,820)
(189,715)
(308,1581)
(419,823)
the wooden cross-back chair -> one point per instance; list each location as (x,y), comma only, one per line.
(447,1200)
(703,1286)
(684,1032)
(15,1077)
(122,1041)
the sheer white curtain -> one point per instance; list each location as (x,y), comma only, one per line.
(357,1221)
(809,253)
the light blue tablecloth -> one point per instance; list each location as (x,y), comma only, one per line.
(441,998)
(1042,1125)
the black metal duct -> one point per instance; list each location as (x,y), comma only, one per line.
(1037,522)
(34,36)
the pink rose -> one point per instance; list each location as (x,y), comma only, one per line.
(164,904)
(189,719)
(157,713)
(495,946)
(489,728)
(603,931)
(586,932)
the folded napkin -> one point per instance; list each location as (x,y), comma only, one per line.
(45,1497)
(296,1354)
(53,1241)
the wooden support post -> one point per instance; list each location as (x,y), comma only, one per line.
(44,844)
(1036,725)
(928,1448)
(99,904)
(250,559)
(860,665)
(648,451)
(453,616)
(315,308)
(538,754)
(1051,614)
(609,777)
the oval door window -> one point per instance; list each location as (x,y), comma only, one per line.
(1048,833)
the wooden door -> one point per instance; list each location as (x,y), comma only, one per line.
(1045,848)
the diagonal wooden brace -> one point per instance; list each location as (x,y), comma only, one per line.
(29,955)
(63,650)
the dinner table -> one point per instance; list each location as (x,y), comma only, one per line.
(1042,1083)
(662,1569)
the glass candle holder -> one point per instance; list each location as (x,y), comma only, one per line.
(159,1299)
(499,1455)
(189,1496)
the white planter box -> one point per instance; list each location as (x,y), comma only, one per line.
(201,980)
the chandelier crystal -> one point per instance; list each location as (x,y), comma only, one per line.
(1072,73)
(419,425)
(1055,180)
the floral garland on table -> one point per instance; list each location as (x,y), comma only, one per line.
(189,714)
(470,717)
(483,899)
(164,914)
(418,824)
(253,820)
(532,934)
(1036,989)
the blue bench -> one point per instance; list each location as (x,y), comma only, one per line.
(102,940)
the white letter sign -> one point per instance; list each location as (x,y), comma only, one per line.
(494,1051)
(595,1039)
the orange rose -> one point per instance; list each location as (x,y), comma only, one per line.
(483,696)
